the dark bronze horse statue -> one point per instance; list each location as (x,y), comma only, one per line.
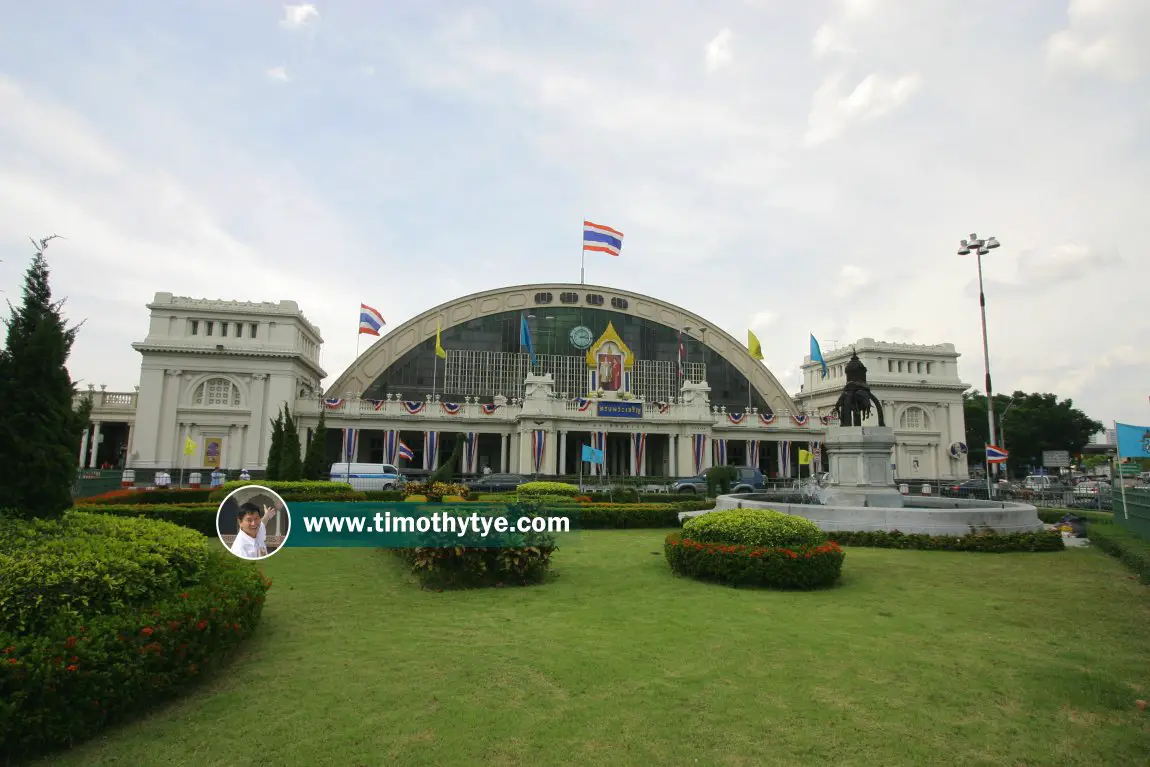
(854,403)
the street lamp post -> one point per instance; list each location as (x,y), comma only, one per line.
(980,248)
(1002,423)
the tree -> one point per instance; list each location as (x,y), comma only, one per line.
(291,468)
(316,454)
(446,470)
(275,449)
(1034,423)
(40,427)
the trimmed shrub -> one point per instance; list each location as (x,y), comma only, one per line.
(1054,516)
(149,496)
(74,679)
(806,567)
(435,491)
(84,565)
(295,491)
(200,517)
(754,527)
(1130,550)
(719,479)
(992,543)
(547,488)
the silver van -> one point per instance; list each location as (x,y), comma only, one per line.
(368,476)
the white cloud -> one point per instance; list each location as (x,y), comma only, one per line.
(829,39)
(296,16)
(851,280)
(762,320)
(1105,37)
(279,74)
(832,111)
(63,137)
(718,51)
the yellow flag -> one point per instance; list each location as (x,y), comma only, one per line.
(439,352)
(804,458)
(753,346)
(189,447)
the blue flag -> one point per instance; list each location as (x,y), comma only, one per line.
(1133,441)
(525,338)
(591,455)
(817,354)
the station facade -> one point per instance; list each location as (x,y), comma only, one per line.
(660,391)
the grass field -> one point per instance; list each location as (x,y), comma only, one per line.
(916,658)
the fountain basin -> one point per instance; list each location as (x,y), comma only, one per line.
(922,515)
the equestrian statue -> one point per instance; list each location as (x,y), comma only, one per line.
(854,404)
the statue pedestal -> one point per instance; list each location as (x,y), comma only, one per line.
(860,467)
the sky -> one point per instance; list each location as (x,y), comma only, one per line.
(792,168)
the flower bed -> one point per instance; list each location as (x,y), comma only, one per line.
(125,496)
(994,543)
(311,490)
(435,491)
(138,610)
(755,547)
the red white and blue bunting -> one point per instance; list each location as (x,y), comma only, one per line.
(391,447)
(736,418)
(376,403)
(699,450)
(430,450)
(471,452)
(719,448)
(767,419)
(663,406)
(489,409)
(599,442)
(582,405)
(538,447)
(451,408)
(801,419)
(827,419)
(413,407)
(752,454)
(332,403)
(350,444)
(785,458)
(639,447)
(816,457)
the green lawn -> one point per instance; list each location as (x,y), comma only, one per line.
(917,658)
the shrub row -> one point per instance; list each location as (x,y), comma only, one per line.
(148,496)
(85,564)
(563,489)
(803,567)
(1054,516)
(75,678)
(992,543)
(1132,551)
(200,517)
(310,490)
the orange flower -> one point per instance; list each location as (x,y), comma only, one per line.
(73,667)
(146,631)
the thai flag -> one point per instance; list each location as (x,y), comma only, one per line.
(602,239)
(405,452)
(682,353)
(370,320)
(995,454)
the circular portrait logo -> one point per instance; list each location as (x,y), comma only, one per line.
(253,522)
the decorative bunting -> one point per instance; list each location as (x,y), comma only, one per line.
(489,409)
(332,403)
(827,419)
(470,452)
(350,444)
(391,445)
(719,451)
(663,406)
(785,458)
(800,419)
(816,457)
(752,453)
(736,418)
(538,445)
(413,407)
(376,403)
(639,446)
(699,446)
(451,408)
(430,450)
(599,442)
(767,419)
(582,405)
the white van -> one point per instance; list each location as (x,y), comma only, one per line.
(368,476)
(1041,482)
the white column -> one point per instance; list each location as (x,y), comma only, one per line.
(562,452)
(83,448)
(631,455)
(673,455)
(128,462)
(241,463)
(503,453)
(95,445)
(513,454)
(708,451)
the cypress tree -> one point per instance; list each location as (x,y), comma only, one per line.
(316,455)
(291,466)
(447,469)
(39,424)
(275,450)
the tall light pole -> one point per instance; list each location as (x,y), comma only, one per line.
(1002,422)
(981,248)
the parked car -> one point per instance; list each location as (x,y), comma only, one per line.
(971,488)
(748,481)
(368,476)
(1091,489)
(1042,482)
(496,483)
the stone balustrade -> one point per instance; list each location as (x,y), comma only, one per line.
(105,401)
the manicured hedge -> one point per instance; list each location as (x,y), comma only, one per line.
(140,638)
(754,527)
(804,567)
(200,517)
(547,488)
(297,491)
(1132,551)
(992,543)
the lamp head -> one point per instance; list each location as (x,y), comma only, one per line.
(964,249)
(992,243)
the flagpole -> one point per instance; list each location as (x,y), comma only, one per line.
(583,255)
(1118,469)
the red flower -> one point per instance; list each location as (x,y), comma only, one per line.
(201,625)
(73,667)
(9,650)
(70,642)
(184,595)
(146,631)
(13,661)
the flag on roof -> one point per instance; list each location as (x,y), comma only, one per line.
(370,320)
(995,454)
(602,239)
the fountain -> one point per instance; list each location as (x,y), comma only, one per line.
(861,495)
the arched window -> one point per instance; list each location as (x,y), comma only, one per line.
(913,418)
(217,392)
